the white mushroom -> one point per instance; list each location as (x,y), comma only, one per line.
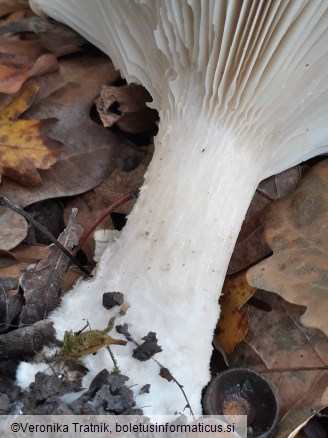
(242,92)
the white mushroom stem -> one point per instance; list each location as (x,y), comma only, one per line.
(242,92)
(172,256)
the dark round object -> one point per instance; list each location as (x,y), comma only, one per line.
(239,391)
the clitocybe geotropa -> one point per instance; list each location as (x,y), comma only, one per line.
(241,89)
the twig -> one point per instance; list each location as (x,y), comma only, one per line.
(122,200)
(5,201)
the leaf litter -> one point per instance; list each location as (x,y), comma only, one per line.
(42,284)
(58,184)
(294,358)
(89,151)
(296,227)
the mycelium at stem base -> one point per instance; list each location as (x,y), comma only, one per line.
(171,259)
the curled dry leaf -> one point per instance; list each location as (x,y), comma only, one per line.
(24,145)
(296,228)
(282,184)
(126,107)
(233,323)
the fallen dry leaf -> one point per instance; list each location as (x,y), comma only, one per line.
(21,60)
(30,253)
(315,427)
(118,183)
(294,358)
(296,228)
(8,284)
(233,323)
(126,107)
(13,263)
(60,39)
(304,408)
(6,259)
(89,150)
(24,147)
(282,184)
(9,6)
(54,37)
(251,246)
(41,284)
(10,307)
(13,229)
(279,339)
(21,21)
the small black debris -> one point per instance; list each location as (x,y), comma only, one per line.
(123,329)
(111,299)
(148,349)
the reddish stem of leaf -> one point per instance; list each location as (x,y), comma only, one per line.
(122,200)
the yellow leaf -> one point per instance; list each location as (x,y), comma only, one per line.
(233,323)
(23,146)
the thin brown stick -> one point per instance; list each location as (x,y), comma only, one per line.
(122,200)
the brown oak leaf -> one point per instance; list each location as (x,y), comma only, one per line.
(296,228)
